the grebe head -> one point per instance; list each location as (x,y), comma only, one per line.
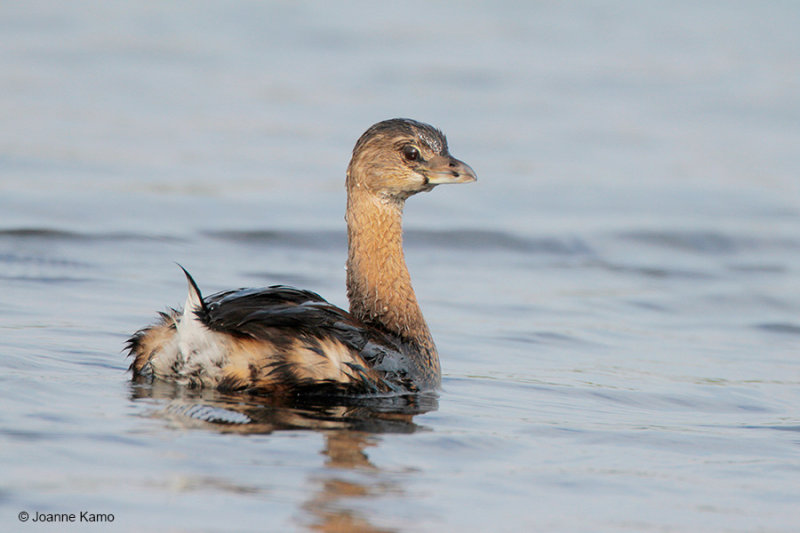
(397,158)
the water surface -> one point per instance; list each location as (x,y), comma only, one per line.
(616,301)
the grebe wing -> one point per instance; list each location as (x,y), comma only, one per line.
(273,340)
(280,313)
(281,316)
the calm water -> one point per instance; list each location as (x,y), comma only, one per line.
(616,301)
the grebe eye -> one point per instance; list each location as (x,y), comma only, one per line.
(410,153)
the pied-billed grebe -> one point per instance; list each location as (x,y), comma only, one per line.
(284,341)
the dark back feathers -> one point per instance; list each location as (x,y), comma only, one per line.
(278,313)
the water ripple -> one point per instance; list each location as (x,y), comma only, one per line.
(780,327)
(653,272)
(455,239)
(66,235)
(710,242)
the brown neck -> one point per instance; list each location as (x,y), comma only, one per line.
(378,282)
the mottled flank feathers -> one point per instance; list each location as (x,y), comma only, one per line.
(276,340)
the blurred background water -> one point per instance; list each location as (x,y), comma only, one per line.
(616,301)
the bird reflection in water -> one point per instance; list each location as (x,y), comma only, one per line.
(350,426)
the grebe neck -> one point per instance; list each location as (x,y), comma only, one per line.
(378,282)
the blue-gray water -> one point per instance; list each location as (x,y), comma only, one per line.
(616,300)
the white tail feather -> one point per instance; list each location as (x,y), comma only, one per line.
(199,349)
